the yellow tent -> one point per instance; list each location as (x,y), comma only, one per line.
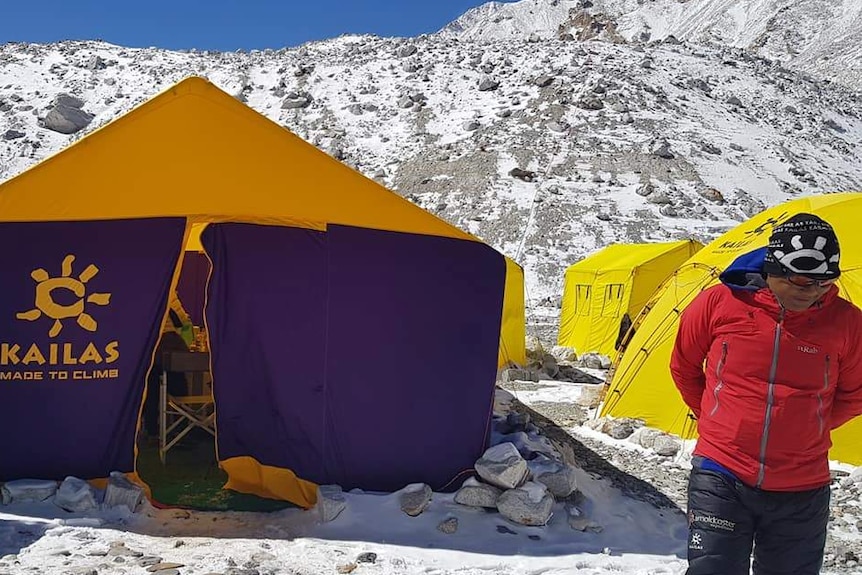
(513,332)
(196,153)
(616,281)
(641,385)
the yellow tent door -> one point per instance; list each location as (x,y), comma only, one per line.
(616,281)
(642,387)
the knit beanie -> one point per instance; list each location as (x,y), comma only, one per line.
(804,245)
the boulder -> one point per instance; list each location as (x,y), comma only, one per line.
(121,491)
(75,495)
(667,445)
(530,504)
(645,437)
(415,498)
(27,490)
(68,100)
(488,84)
(561,482)
(67,120)
(474,493)
(502,466)
(618,428)
(662,149)
(595,361)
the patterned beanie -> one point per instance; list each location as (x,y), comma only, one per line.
(804,245)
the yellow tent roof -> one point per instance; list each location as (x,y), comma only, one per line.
(625,256)
(194,151)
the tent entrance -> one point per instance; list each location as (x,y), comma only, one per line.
(191,478)
(188,475)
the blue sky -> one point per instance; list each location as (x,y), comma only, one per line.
(221,24)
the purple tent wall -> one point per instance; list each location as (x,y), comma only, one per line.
(83,425)
(358,357)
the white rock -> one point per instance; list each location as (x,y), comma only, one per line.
(121,491)
(75,495)
(27,490)
(528,505)
(330,502)
(502,466)
(645,436)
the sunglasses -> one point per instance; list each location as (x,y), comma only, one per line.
(804,282)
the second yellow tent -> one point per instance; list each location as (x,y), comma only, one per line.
(604,288)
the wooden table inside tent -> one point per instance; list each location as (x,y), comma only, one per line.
(180,414)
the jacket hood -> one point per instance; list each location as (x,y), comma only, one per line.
(746,271)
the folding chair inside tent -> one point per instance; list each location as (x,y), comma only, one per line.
(180,414)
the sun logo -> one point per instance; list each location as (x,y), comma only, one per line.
(45,304)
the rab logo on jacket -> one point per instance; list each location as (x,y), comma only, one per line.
(46,305)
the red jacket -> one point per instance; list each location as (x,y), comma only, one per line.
(774,383)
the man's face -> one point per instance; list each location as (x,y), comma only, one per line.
(797,293)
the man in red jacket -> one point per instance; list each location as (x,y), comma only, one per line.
(769,362)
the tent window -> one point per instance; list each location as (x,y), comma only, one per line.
(613,299)
(582,299)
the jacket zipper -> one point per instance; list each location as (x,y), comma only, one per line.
(718,369)
(770,398)
(820,396)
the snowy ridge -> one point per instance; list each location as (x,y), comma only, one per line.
(820,37)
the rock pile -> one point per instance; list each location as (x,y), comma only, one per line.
(73,494)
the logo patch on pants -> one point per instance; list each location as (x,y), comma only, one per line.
(696,541)
(710,521)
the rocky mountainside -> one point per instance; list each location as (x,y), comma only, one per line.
(547,148)
(820,37)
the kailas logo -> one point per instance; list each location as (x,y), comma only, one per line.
(46,305)
(766,225)
(696,541)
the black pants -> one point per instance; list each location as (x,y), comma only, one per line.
(169,341)
(726,519)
